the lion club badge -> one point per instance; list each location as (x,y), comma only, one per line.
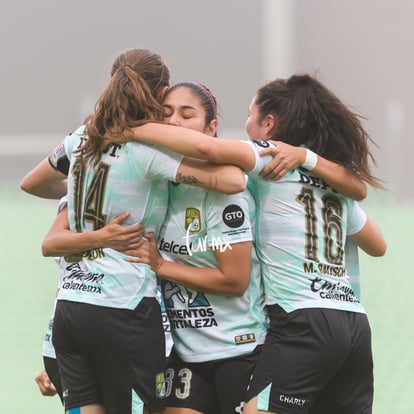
(192,220)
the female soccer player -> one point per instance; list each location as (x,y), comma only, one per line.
(113,235)
(213,286)
(318,348)
(211,280)
(108,332)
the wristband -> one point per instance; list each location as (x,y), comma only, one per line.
(310,160)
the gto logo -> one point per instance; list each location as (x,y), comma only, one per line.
(233,216)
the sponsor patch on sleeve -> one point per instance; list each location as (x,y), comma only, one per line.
(59,160)
(261,143)
(233,216)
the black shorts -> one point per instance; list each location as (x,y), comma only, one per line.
(211,387)
(112,357)
(52,370)
(315,361)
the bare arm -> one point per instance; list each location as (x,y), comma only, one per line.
(60,241)
(197,145)
(231,277)
(44,181)
(287,157)
(338,177)
(227,179)
(370,239)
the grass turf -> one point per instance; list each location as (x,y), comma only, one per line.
(29,284)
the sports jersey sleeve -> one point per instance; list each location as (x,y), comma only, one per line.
(352,266)
(228,218)
(356,218)
(63,202)
(261,162)
(157,163)
(60,157)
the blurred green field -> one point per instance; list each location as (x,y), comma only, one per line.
(29,283)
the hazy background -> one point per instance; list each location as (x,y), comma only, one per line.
(55,60)
(56,57)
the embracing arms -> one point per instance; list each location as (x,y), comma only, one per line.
(44,181)
(229,151)
(370,239)
(60,241)
(287,157)
(227,179)
(230,277)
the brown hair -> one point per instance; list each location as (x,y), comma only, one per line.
(308,113)
(128,100)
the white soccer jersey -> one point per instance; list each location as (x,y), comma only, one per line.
(207,326)
(301,232)
(48,350)
(165,323)
(352,266)
(129,177)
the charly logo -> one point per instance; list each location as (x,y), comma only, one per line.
(291,400)
(192,222)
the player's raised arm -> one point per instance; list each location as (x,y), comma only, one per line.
(197,144)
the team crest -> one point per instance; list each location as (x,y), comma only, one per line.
(160,385)
(192,223)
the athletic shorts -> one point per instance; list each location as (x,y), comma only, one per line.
(319,358)
(52,370)
(211,387)
(112,357)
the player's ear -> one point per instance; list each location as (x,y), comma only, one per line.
(211,129)
(161,93)
(269,123)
